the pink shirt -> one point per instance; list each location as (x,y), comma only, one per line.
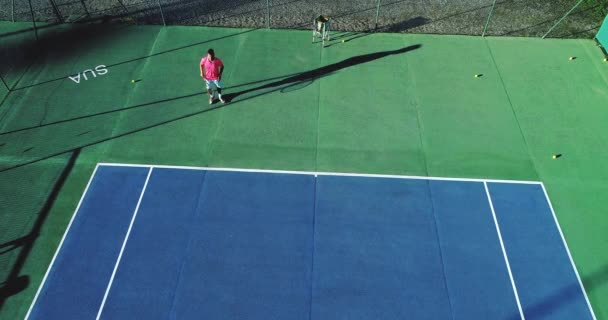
(212,68)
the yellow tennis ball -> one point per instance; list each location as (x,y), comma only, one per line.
(343,41)
(132,81)
(554,156)
(572,58)
(605,59)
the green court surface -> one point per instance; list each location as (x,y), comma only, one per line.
(351,107)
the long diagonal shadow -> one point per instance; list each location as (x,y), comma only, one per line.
(273,86)
(15,283)
(562,298)
(285,81)
(100,113)
(323,71)
(139,105)
(141,58)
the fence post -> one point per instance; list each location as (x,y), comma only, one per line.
(564,17)
(85,8)
(377,13)
(33,19)
(268,14)
(483,34)
(13,10)
(56,10)
(161,13)
(122,4)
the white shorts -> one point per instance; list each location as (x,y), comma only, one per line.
(215,83)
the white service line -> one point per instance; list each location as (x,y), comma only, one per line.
(340,174)
(84,193)
(504,252)
(568,251)
(124,244)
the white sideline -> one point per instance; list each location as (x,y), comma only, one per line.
(341,174)
(84,193)
(124,244)
(151,167)
(578,277)
(504,252)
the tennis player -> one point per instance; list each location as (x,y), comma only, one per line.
(211,71)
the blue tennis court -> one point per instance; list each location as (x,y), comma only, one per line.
(152,242)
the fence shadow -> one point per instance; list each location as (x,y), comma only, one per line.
(14,282)
(284,83)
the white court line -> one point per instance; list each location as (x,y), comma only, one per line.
(84,193)
(151,167)
(319,173)
(504,252)
(568,251)
(124,243)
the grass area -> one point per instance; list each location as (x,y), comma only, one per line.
(356,106)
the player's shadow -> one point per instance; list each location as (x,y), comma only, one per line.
(308,77)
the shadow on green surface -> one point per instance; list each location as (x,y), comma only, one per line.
(405,25)
(14,282)
(401,26)
(22,52)
(140,58)
(22,31)
(286,83)
(321,72)
(100,114)
(280,85)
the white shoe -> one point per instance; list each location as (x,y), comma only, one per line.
(222,100)
(210,100)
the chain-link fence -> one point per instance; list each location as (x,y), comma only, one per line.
(465,17)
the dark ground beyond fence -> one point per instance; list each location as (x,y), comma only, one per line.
(468,17)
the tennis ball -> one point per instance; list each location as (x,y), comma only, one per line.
(605,59)
(572,58)
(132,81)
(343,41)
(554,156)
(477,75)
